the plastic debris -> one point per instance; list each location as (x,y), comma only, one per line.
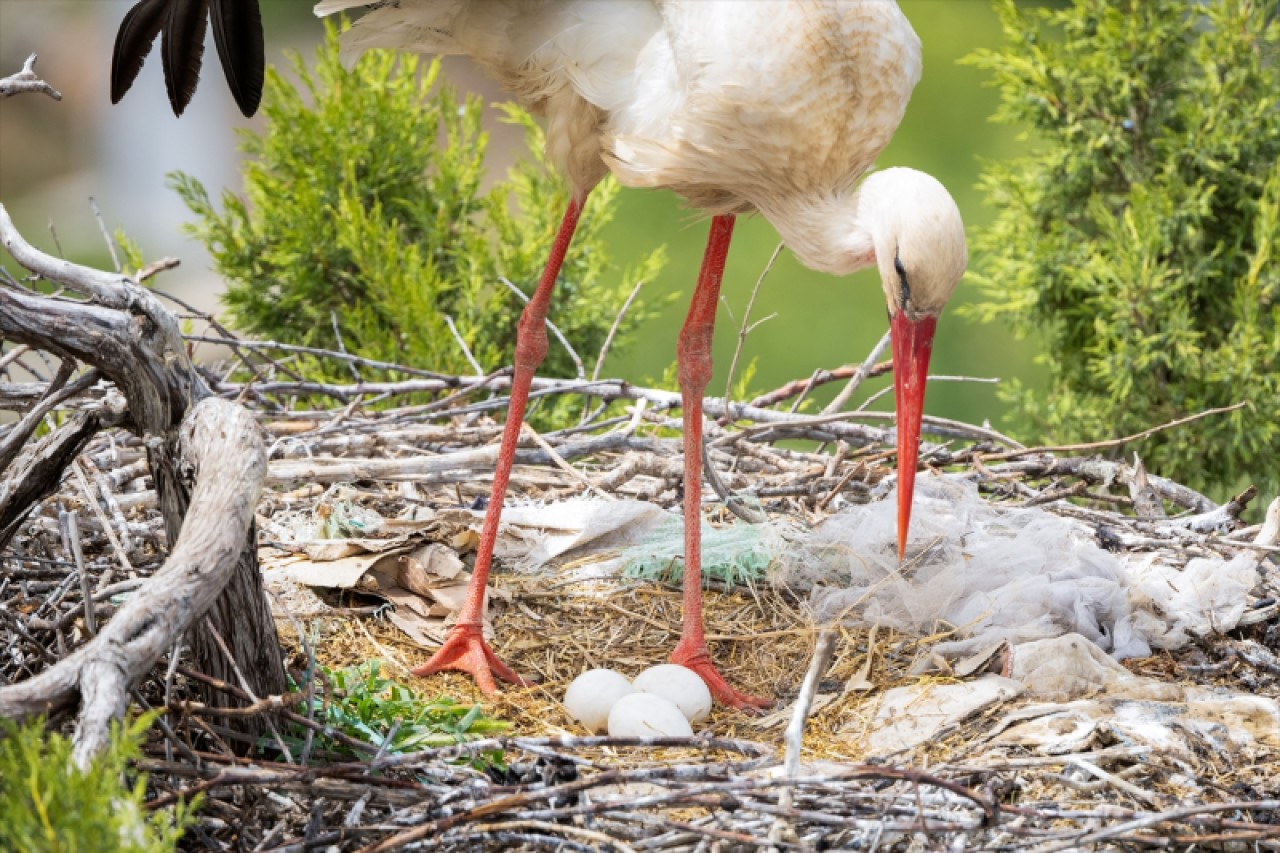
(1200,722)
(734,553)
(1092,702)
(1003,576)
(1068,667)
(994,575)
(533,535)
(1172,605)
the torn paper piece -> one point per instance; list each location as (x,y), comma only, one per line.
(534,534)
(910,716)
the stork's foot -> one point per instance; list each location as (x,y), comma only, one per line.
(695,657)
(465,650)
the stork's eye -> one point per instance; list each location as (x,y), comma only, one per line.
(902,278)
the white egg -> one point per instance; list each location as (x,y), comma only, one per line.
(592,695)
(680,686)
(647,715)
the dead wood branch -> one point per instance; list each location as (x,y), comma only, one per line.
(38,469)
(126,333)
(223,450)
(1103,472)
(1117,442)
(27,81)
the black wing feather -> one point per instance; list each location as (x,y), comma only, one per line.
(134,39)
(183,49)
(237,32)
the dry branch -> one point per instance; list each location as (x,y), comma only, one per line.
(223,450)
(27,81)
(128,336)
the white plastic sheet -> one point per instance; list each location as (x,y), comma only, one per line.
(992,575)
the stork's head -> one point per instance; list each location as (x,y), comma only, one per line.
(917,241)
(907,225)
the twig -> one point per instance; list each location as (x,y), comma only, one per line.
(608,341)
(71,542)
(462,345)
(342,346)
(13,355)
(793,737)
(106,236)
(933,377)
(561,463)
(25,81)
(232,341)
(156,267)
(108,530)
(861,374)
(1116,782)
(613,329)
(747,326)
(732,502)
(1114,442)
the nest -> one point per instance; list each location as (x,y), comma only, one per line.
(729,788)
(800,778)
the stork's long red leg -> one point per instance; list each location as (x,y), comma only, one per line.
(465,649)
(694,353)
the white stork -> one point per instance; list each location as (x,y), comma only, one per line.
(776,106)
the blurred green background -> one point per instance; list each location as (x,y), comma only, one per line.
(54,156)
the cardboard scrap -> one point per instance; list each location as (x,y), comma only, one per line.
(417,568)
(425,582)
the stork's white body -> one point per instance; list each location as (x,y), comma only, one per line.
(771,105)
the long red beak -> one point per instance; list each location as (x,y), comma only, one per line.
(912,345)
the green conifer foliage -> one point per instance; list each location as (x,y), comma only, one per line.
(48,805)
(363,208)
(1140,234)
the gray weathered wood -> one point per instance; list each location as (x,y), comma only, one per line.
(125,331)
(223,450)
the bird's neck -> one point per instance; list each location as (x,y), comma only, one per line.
(825,232)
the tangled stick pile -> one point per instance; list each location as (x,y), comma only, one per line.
(732,785)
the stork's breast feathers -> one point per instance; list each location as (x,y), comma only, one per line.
(773,98)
